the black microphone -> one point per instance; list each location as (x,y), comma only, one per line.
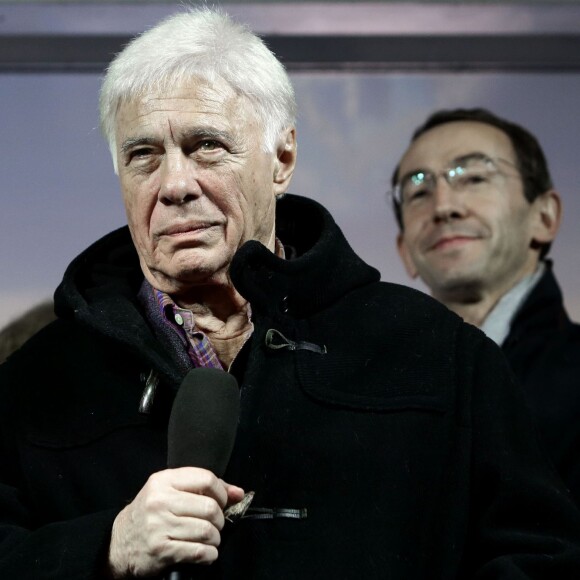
(202,427)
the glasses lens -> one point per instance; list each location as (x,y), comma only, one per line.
(471,174)
(415,186)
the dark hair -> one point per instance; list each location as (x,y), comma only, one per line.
(530,158)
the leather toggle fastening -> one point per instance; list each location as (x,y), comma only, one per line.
(275,340)
(255,513)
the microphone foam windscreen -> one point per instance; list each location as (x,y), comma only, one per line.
(203,422)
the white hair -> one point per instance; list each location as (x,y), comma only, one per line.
(201,43)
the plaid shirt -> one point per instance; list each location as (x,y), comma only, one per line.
(199,348)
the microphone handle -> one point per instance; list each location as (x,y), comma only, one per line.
(180,573)
(189,572)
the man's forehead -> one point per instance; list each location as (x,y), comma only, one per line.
(194,103)
(445,143)
(193,95)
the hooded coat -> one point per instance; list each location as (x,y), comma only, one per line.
(382,436)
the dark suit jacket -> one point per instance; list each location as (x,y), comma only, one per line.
(543,348)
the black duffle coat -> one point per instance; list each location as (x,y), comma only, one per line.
(383,437)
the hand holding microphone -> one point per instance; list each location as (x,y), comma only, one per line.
(178,514)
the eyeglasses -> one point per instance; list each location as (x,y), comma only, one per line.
(471,174)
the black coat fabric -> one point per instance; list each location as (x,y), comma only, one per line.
(543,348)
(389,428)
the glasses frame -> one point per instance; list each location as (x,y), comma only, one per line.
(395,193)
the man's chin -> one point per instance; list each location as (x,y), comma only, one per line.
(180,278)
(465,288)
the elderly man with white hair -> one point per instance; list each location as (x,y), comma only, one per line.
(378,436)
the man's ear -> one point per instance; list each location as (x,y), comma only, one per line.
(547,217)
(406,256)
(285,161)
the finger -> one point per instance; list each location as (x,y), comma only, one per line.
(199,481)
(192,553)
(235,493)
(194,530)
(191,505)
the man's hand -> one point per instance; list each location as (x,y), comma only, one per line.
(176,518)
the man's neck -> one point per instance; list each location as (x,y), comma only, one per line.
(476,306)
(474,313)
(473,302)
(224,317)
(219,311)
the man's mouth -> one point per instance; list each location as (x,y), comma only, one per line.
(451,241)
(177,230)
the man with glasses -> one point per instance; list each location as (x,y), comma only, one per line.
(477,213)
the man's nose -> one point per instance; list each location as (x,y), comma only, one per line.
(178,179)
(447,202)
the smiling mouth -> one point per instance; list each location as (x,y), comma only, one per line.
(452,241)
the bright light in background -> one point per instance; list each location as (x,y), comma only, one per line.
(59,192)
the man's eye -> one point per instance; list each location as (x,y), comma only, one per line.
(139,153)
(473,178)
(415,195)
(209,145)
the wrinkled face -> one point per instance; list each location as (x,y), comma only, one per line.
(195,181)
(474,240)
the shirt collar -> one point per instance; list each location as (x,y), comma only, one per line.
(498,322)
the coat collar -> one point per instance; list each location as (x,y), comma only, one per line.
(542,311)
(321,267)
(100,287)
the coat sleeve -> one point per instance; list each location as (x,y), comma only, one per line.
(75,549)
(33,546)
(523,522)
(39,540)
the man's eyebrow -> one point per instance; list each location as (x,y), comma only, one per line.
(137,141)
(468,157)
(187,135)
(206,133)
